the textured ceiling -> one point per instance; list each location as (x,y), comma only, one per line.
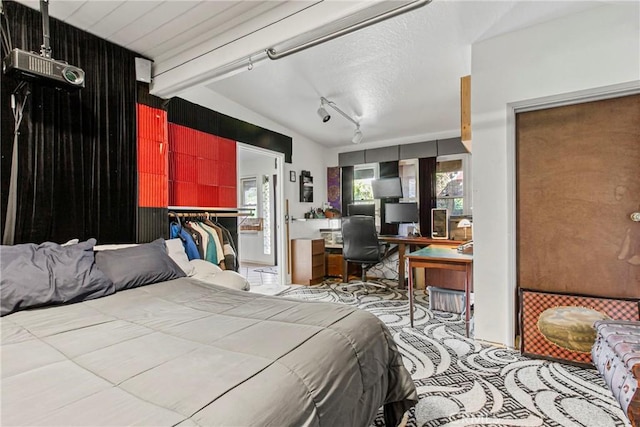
(399,79)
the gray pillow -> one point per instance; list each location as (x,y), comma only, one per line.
(35,275)
(138,265)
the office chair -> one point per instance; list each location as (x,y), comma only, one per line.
(360,245)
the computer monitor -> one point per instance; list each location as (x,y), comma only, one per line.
(387,188)
(368,209)
(401,213)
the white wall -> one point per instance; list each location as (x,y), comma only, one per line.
(592,49)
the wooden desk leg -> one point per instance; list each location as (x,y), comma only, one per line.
(401,275)
(467,296)
(345,271)
(410,291)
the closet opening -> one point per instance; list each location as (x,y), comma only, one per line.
(260,236)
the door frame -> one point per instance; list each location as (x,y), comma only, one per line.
(513,108)
(278,203)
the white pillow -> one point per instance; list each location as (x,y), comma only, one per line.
(113,247)
(176,252)
(210,273)
(71,242)
(204,268)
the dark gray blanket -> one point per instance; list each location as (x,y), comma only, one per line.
(184,352)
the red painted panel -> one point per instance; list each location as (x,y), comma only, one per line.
(227,174)
(152,156)
(184,167)
(172,201)
(152,123)
(202,169)
(207,195)
(207,171)
(184,194)
(227,197)
(226,149)
(152,190)
(208,146)
(172,137)
(183,139)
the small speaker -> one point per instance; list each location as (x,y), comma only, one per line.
(143,70)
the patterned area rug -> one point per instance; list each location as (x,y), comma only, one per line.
(462,382)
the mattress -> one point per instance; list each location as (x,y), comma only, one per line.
(187,353)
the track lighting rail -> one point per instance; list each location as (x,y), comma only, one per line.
(325,101)
(322,112)
(273,54)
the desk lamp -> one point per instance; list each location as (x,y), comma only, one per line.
(464,223)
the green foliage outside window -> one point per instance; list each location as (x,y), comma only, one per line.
(449,187)
(362,189)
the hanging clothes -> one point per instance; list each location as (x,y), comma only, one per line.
(210,252)
(204,237)
(229,249)
(176,231)
(197,238)
(216,237)
(207,240)
(214,251)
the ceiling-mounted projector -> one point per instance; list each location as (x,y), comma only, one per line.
(42,68)
(34,67)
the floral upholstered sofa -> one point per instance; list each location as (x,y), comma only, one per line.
(616,355)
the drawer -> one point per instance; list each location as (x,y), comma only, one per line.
(317,246)
(333,261)
(317,260)
(317,271)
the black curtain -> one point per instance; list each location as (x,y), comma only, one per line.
(346,180)
(388,170)
(77,150)
(427,190)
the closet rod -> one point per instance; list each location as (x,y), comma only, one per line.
(273,54)
(218,212)
(211,214)
(207,209)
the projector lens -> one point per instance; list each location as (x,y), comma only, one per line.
(73,75)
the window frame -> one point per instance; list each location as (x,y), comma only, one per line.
(467,190)
(376,173)
(257,208)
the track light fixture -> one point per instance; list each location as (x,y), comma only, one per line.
(322,112)
(357,136)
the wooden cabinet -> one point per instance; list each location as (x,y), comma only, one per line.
(334,265)
(333,262)
(307,256)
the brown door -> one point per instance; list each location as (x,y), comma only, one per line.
(578,183)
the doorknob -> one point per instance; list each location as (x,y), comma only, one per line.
(635,216)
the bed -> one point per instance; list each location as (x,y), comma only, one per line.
(185,352)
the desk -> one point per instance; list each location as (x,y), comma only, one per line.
(403,241)
(447,258)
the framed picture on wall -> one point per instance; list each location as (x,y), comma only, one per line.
(292,176)
(560,327)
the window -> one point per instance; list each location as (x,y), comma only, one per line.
(452,182)
(408,172)
(249,194)
(362,177)
(266,213)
